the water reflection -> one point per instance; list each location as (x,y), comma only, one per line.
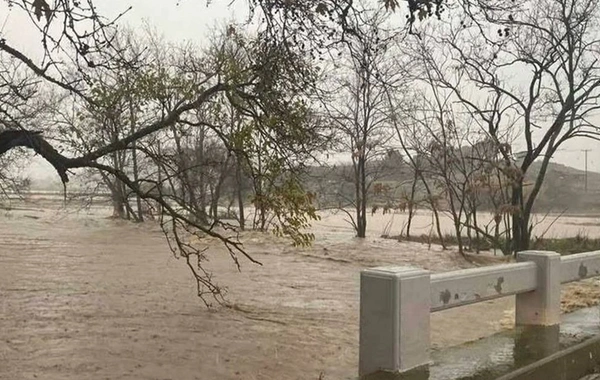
(421,373)
(497,355)
(533,343)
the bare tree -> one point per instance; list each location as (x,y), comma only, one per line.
(358,108)
(553,47)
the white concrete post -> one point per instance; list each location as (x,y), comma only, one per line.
(540,307)
(394,319)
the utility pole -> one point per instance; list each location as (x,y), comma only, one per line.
(585,151)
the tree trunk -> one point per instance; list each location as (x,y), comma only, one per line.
(437,225)
(263,217)
(117,201)
(434,208)
(459,239)
(240,195)
(411,203)
(477,235)
(159,185)
(136,179)
(361,199)
(521,219)
(125,198)
(218,187)
(456,218)
(201,175)
(520,228)
(469,233)
(186,186)
(115,188)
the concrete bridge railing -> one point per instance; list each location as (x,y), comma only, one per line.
(396,302)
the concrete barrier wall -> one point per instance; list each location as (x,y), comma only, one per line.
(396,302)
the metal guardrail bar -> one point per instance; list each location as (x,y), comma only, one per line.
(579,266)
(468,286)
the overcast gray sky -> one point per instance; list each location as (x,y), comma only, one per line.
(194,20)
(191,20)
(178,20)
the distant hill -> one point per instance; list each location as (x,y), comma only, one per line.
(564,189)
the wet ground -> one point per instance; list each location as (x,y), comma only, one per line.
(87,297)
(497,355)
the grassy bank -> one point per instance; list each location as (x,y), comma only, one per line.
(565,246)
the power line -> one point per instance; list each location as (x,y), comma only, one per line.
(585,157)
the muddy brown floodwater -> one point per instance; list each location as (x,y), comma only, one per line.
(87,297)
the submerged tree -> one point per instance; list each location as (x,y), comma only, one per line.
(266,87)
(358,108)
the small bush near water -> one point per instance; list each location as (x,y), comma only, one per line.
(567,246)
